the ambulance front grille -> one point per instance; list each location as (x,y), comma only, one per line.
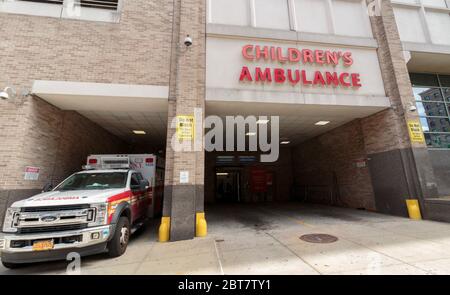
(55,208)
(46,229)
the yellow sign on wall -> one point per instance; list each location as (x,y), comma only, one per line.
(185,127)
(415,131)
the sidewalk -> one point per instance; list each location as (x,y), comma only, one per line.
(266,240)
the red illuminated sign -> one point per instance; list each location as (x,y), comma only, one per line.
(295,76)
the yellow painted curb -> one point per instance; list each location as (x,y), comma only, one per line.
(164,229)
(201,228)
(413,209)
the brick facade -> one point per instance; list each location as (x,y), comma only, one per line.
(135,51)
(147,48)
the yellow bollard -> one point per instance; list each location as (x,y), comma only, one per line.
(201,228)
(413,209)
(164,229)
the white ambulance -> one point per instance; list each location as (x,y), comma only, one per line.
(91,211)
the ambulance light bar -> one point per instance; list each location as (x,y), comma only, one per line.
(121,166)
(115,166)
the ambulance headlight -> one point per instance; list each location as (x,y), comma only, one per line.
(97,213)
(11,220)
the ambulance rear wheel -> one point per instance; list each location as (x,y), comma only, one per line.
(118,245)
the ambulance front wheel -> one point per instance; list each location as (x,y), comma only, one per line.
(118,244)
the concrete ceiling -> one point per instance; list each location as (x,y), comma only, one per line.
(120,114)
(118,108)
(297,122)
(122,125)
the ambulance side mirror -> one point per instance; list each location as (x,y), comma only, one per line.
(144,184)
(47,187)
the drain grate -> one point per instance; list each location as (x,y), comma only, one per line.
(319,238)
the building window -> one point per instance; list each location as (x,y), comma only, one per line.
(93,10)
(432,96)
(100,4)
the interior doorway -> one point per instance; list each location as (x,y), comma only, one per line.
(228,185)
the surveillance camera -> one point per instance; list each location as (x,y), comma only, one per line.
(188,41)
(4,95)
(412,108)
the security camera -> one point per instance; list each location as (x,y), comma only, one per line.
(412,108)
(5,95)
(188,41)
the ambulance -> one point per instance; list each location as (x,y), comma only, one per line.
(150,166)
(92,211)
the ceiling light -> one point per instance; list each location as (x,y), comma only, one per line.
(139,132)
(285,142)
(261,121)
(322,123)
(222,174)
(250,133)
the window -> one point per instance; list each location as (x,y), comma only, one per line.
(135,183)
(45,1)
(102,4)
(93,181)
(93,10)
(432,96)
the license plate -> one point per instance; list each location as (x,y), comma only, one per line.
(43,245)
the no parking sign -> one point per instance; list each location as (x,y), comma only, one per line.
(31,173)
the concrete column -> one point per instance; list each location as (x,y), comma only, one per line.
(187,94)
(400,169)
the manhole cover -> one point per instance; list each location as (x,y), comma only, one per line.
(319,238)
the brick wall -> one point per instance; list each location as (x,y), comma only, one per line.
(187,92)
(327,165)
(56,141)
(134,51)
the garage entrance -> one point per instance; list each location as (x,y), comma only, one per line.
(322,158)
(98,118)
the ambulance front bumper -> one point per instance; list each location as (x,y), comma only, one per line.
(19,248)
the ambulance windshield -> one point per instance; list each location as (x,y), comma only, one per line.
(94,181)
